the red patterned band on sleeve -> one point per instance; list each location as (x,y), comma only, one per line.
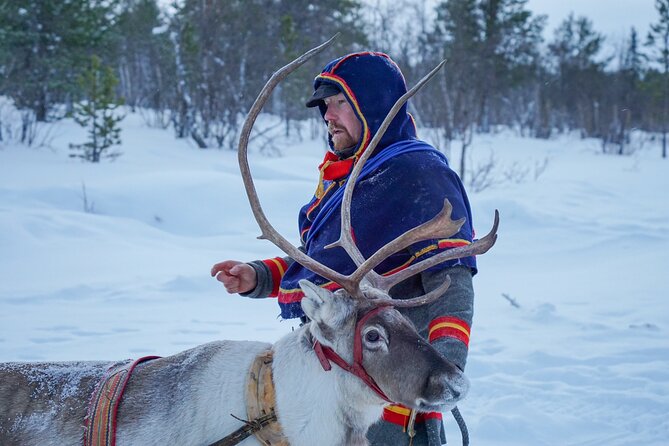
(448,326)
(277,268)
(399,415)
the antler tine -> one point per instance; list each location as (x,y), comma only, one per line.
(268,231)
(440,226)
(480,246)
(346,237)
(424,299)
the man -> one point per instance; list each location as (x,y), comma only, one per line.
(402,185)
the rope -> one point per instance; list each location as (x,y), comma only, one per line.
(461,424)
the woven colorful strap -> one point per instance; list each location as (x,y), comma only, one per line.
(100,422)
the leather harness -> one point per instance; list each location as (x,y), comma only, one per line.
(260,402)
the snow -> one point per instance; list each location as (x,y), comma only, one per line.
(122,271)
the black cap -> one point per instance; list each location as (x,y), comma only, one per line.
(323,91)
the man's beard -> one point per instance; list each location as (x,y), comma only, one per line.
(350,143)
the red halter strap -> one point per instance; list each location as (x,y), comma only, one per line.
(325,354)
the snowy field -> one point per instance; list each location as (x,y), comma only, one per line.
(112,261)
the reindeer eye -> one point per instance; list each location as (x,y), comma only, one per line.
(372,336)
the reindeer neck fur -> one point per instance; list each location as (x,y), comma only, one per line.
(333,406)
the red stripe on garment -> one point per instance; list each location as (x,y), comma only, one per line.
(452,243)
(449,333)
(400,415)
(277,268)
(296,295)
(449,326)
(303,234)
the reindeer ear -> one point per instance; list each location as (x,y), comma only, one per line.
(315,301)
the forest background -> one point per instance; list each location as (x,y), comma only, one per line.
(195,66)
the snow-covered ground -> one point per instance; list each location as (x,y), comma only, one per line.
(111,261)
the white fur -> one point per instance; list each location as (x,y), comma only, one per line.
(188,398)
(313,404)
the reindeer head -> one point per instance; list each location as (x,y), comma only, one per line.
(361,321)
(373,337)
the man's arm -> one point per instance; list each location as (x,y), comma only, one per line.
(450,316)
(257,279)
(268,273)
(446,322)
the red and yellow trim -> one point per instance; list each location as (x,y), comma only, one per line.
(399,415)
(320,193)
(277,268)
(101,416)
(365,53)
(366,134)
(441,244)
(303,234)
(296,295)
(452,243)
(449,327)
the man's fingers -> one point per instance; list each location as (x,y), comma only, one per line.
(226,278)
(219,267)
(237,277)
(224,266)
(231,282)
(236,270)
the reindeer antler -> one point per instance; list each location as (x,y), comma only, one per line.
(346,235)
(441,226)
(268,231)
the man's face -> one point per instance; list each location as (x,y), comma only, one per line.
(344,127)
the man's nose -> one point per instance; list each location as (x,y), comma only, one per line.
(330,115)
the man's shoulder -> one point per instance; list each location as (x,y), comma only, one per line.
(415,155)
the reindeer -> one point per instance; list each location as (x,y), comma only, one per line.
(188,398)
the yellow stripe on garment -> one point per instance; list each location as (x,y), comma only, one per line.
(449,325)
(399,409)
(279,266)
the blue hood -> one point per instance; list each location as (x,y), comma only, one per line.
(359,76)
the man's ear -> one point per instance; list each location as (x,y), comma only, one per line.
(316,302)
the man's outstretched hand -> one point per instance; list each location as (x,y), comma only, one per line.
(237,277)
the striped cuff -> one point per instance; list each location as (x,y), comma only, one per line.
(449,327)
(277,268)
(399,415)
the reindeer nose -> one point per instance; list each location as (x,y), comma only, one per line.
(459,386)
(447,387)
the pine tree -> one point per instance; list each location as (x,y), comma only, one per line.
(509,56)
(658,42)
(579,78)
(50,42)
(624,105)
(98,113)
(457,38)
(145,58)
(226,50)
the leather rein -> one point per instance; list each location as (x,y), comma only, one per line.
(326,354)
